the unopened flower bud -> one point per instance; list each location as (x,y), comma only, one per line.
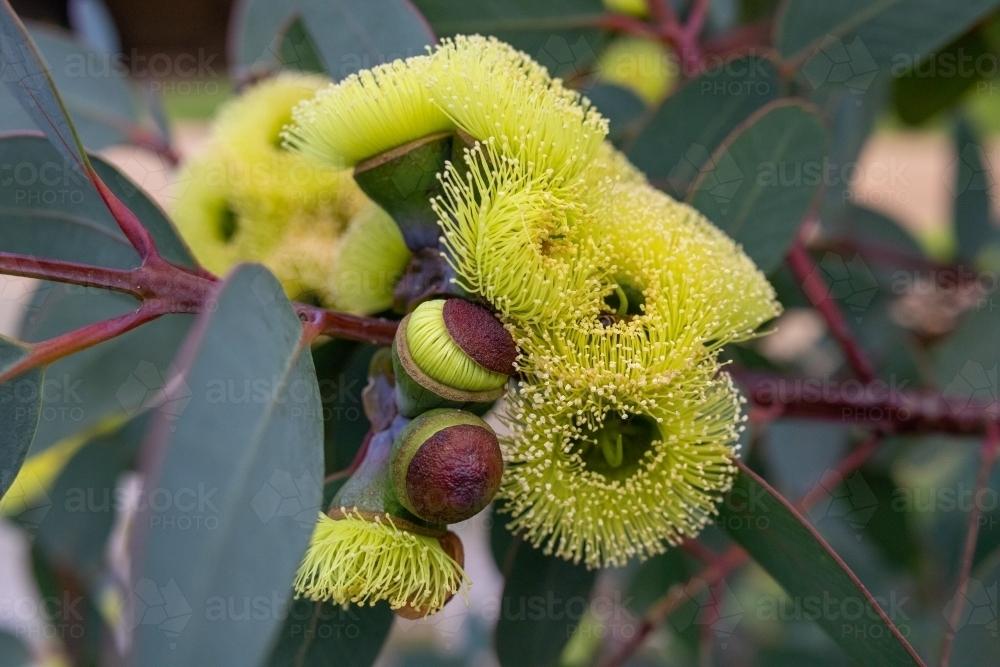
(451,353)
(446,466)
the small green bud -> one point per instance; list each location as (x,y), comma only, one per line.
(451,353)
(446,466)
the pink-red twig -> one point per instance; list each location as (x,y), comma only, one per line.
(675,597)
(812,284)
(877,404)
(52,350)
(665,27)
(990,449)
(117,280)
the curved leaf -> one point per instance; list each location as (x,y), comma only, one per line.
(690,124)
(241,464)
(349,36)
(23,71)
(793,553)
(94,86)
(555,33)
(544,598)
(760,183)
(20,407)
(872,35)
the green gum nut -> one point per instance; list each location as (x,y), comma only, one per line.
(446,466)
(451,353)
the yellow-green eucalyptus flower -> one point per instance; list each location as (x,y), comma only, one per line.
(604,473)
(249,199)
(671,270)
(270,181)
(367,114)
(371,258)
(495,92)
(644,66)
(513,241)
(364,559)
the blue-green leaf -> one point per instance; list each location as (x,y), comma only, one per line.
(761,181)
(242,467)
(348,36)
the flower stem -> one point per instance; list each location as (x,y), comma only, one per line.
(812,284)
(62,346)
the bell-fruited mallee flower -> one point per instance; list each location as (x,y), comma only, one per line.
(623,424)
(246,198)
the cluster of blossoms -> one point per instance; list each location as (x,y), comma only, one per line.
(246,198)
(608,300)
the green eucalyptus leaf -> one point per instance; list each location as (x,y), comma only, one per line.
(761,181)
(242,464)
(554,33)
(347,36)
(679,139)
(93,85)
(20,408)
(298,49)
(793,553)
(27,78)
(974,226)
(544,598)
(85,499)
(850,40)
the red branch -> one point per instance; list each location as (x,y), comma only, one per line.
(814,287)
(162,288)
(876,404)
(88,336)
(665,27)
(320,322)
(990,449)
